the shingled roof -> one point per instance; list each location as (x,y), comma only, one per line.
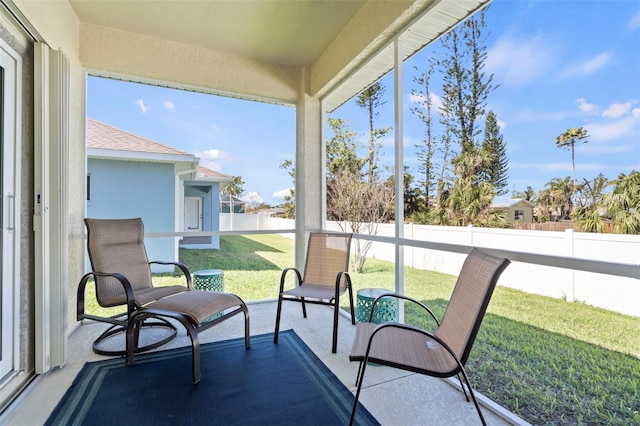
(105,140)
(205,173)
(103,136)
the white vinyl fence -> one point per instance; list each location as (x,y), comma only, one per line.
(619,294)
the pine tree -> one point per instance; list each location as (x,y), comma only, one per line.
(425,150)
(496,149)
(465,86)
(371,99)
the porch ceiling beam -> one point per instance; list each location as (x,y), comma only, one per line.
(114,53)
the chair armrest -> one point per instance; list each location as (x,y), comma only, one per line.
(284,276)
(123,281)
(399,296)
(339,277)
(182,266)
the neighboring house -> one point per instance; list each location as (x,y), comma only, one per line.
(226,201)
(131,176)
(517,209)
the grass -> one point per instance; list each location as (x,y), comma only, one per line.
(547,360)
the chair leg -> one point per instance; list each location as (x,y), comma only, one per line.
(359,380)
(473,397)
(304,308)
(336,308)
(247,328)
(192,331)
(358,373)
(277,329)
(195,353)
(463,388)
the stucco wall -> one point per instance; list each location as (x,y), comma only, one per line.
(56,22)
(125,189)
(154,60)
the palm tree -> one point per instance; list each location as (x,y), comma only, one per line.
(568,141)
(623,204)
(234,187)
(469,197)
(590,193)
(589,199)
(557,196)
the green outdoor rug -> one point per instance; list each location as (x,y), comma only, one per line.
(283,384)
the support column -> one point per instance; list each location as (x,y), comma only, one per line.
(399,167)
(309,167)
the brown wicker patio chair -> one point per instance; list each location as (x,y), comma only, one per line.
(326,277)
(443,352)
(122,277)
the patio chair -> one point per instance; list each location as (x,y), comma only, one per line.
(122,277)
(326,277)
(443,352)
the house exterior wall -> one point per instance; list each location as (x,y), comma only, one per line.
(526,208)
(125,189)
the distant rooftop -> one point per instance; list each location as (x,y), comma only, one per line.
(508,202)
(106,140)
(103,136)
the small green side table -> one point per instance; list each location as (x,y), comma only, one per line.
(209,280)
(386,308)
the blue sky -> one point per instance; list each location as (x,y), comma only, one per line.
(558,64)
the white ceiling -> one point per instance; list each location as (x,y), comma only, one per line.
(287,32)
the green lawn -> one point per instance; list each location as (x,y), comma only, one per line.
(547,360)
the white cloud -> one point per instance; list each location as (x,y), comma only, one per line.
(140,103)
(604,148)
(214,155)
(586,107)
(618,109)
(214,159)
(416,99)
(436,101)
(280,195)
(252,199)
(635,112)
(502,124)
(587,67)
(634,22)
(607,130)
(169,105)
(519,62)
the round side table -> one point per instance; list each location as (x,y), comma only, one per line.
(209,280)
(386,309)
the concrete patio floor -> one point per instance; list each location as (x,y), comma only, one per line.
(394,397)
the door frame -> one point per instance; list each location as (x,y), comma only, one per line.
(199,200)
(10,156)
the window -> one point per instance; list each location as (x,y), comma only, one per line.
(518,215)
